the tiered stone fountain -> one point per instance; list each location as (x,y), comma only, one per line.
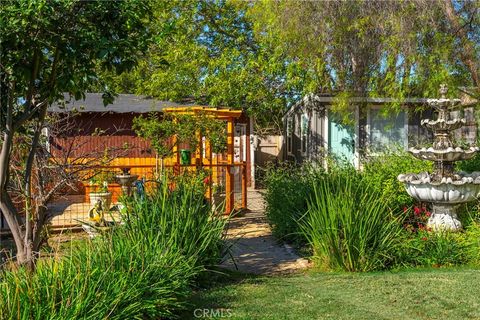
(126,180)
(445,189)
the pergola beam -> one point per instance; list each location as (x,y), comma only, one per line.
(218,113)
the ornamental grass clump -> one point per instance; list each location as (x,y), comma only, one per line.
(287,188)
(143,269)
(349,225)
(183,220)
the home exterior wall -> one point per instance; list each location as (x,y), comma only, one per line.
(361,116)
(93,133)
(118,140)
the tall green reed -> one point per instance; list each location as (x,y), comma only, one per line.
(349,225)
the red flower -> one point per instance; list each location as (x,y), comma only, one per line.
(424,238)
(405,209)
(206,180)
(428,214)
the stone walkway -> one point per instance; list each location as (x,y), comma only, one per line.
(253,247)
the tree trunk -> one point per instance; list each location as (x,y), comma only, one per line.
(14,222)
(22,231)
(6,205)
(33,215)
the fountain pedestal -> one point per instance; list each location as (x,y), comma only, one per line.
(444,218)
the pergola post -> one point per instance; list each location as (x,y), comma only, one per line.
(208,163)
(229,176)
(198,150)
(244,185)
(176,164)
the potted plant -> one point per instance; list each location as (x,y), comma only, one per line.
(98,190)
(185,157)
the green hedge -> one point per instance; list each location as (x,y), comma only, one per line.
(287,189)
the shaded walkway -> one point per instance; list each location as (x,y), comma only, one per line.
(254,248)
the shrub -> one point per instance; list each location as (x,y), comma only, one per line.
(141,270)
(347,205)
(381,173)
(348,225)
(471,243)
(288,187)
(416,218)
(432,249)
(470,165)
(426,249)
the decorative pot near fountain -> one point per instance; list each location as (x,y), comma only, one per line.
(445,189)
(126,180)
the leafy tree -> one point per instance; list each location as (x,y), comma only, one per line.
(172,130)
(378,48)
(49,48)
(263,56)
(211,56)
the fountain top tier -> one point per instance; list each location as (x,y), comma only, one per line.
(443,153)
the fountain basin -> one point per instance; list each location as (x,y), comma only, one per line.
(442,124)
(443,103)
(450,154)
(125,179)
(461,188)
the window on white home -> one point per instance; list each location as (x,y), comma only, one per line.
(468,133)
(304,130)
(387,130)
(290,128)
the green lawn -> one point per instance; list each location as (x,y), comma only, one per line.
(413,294)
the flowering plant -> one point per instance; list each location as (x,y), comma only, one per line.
(417,218)
(98,187)
(99,182)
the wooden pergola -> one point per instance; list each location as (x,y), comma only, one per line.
(228,115)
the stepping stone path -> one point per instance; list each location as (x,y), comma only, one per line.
(253,247)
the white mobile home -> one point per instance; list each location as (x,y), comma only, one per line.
(312,129)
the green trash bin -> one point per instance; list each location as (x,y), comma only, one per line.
(185,157)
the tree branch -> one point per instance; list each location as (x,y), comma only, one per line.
(468,52)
